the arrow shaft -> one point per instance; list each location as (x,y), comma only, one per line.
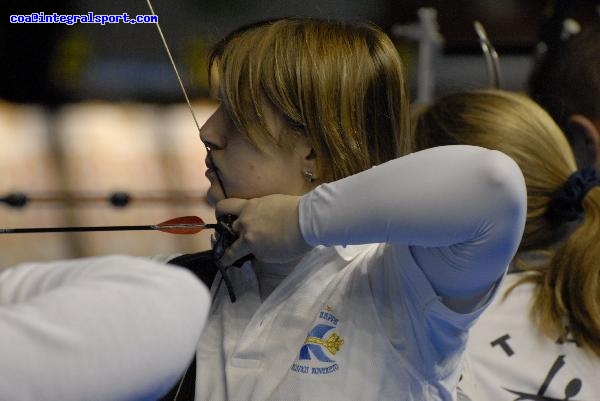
(74,229)
(104,228)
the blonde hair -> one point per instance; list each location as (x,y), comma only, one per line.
(340,84)
(569,285)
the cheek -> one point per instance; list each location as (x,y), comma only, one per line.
(250,167)
(252,173)
(244,170)
(255,179)
(243,178)
(255,175)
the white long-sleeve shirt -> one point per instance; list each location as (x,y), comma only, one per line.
(386,317)
(107,328)
(508,357)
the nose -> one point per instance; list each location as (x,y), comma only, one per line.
(212,133)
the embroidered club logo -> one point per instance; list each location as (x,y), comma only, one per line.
(320,346)
(315,343)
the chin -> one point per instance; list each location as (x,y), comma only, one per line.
(212,197)
(212,201)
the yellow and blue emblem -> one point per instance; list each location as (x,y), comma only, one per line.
(320,346)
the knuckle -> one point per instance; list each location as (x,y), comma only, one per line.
(250,238)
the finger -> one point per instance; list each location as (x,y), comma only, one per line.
(236,226)
(232,206)
(236,251)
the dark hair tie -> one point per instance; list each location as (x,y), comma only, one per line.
(566,204)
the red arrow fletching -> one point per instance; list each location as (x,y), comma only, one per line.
(182,225)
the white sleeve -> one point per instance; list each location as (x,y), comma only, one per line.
(461,209)
(109,328)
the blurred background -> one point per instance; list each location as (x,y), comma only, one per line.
(92,115)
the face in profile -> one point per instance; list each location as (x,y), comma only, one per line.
(250,170)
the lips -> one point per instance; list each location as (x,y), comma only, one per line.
(209,164)
(213,173)
(210,167)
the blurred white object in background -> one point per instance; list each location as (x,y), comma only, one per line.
(27,165)
(108,147)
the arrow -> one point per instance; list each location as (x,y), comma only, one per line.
(178,225)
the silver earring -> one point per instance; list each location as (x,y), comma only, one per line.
(308,175)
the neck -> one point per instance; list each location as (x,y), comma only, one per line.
(269,274)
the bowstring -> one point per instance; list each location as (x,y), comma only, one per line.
(222,268)
(166,46)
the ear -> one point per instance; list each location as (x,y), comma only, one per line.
(584,137)
(304,150)
(309,155)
